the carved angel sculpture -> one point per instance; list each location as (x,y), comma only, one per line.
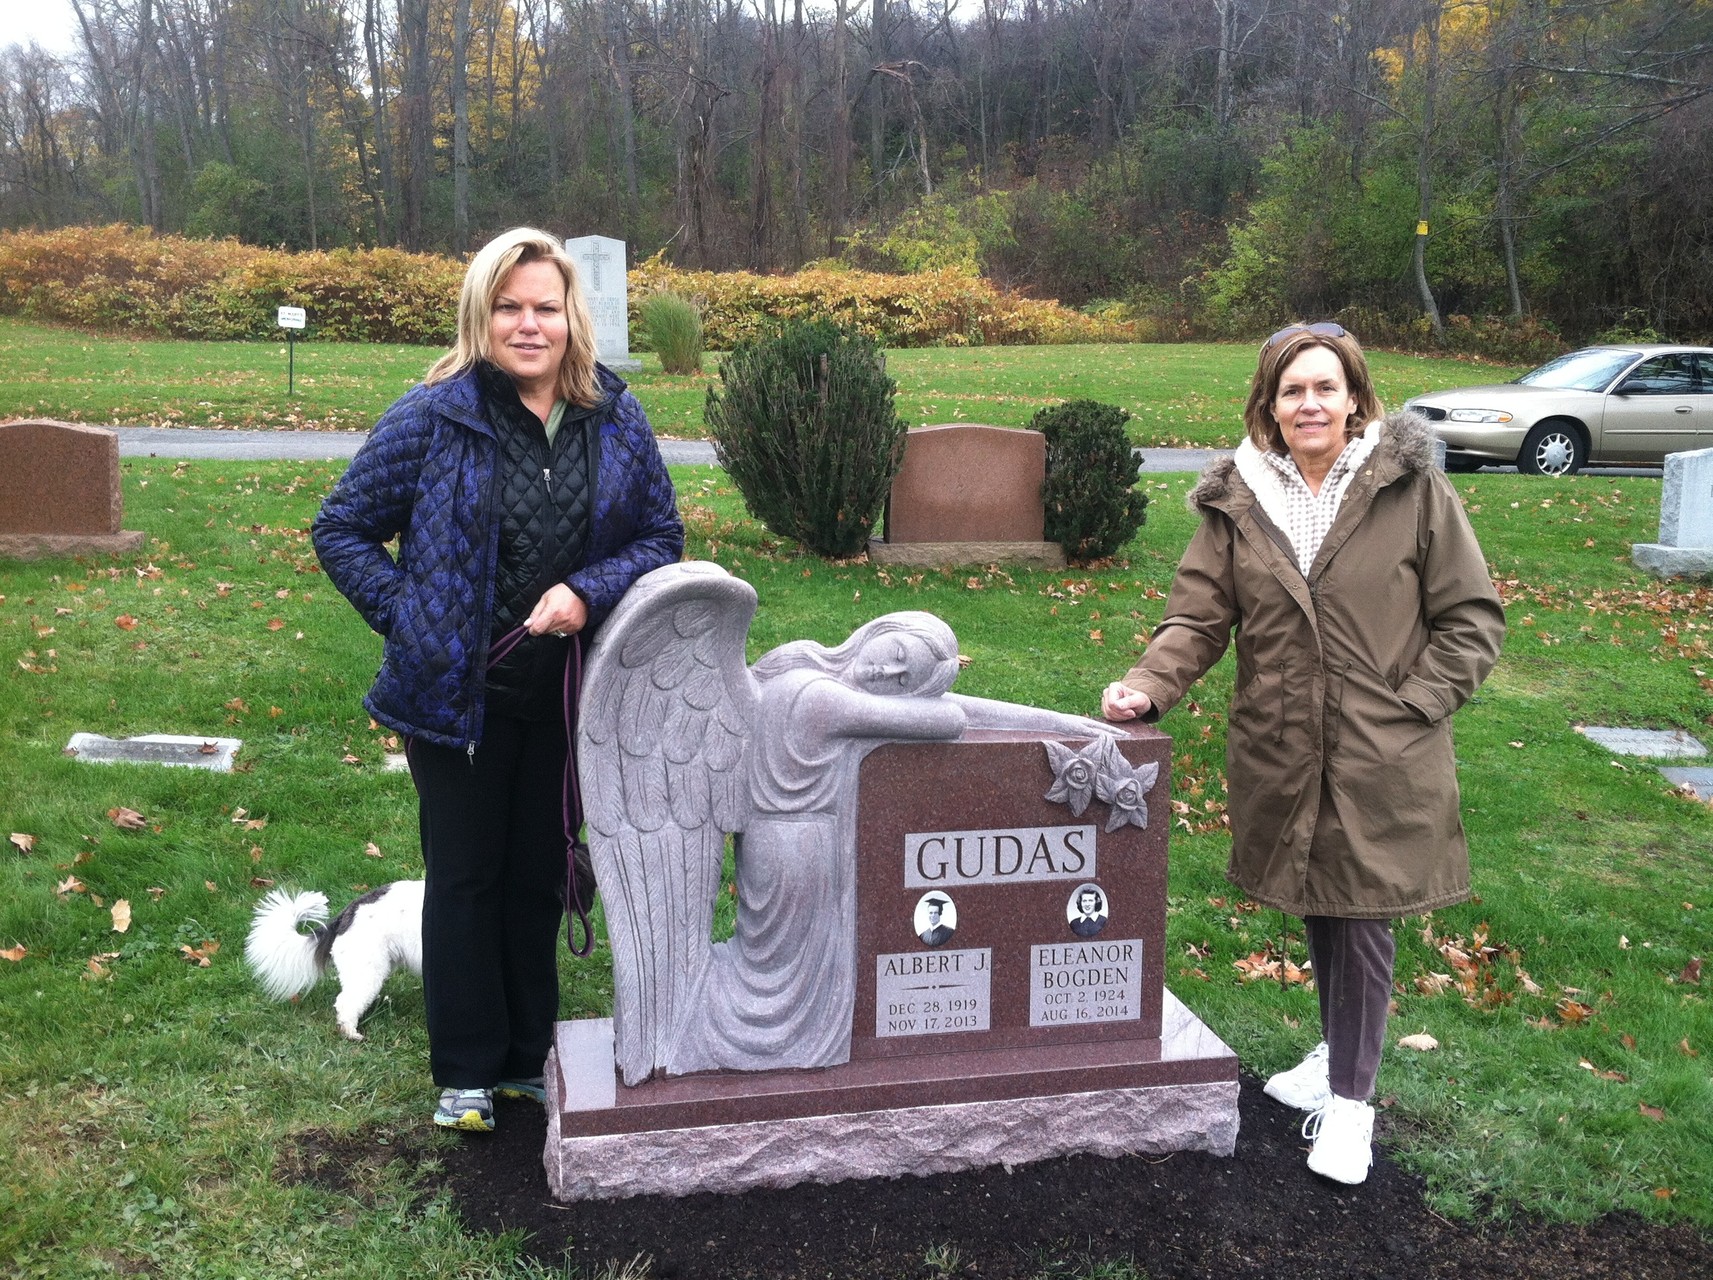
(680,743)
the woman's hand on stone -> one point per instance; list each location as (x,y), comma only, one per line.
(559,612)
(1120,702)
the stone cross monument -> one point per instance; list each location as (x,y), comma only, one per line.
(601,271)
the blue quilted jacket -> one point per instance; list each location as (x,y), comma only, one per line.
(426,476)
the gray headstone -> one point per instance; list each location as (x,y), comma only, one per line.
(1685,546)
(601,271)
(1661,744)
(214,754)
(1700,781)
(1686,500)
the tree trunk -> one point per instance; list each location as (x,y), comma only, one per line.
(839,130)
(1424,169)
(418,120)
(388,199)
(624,112)
(461,126)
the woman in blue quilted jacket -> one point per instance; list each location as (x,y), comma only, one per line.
(526,493)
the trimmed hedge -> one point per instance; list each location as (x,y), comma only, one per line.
(129,279)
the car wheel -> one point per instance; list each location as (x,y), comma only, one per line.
(1553,448)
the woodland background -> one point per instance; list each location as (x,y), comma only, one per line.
(1201,167)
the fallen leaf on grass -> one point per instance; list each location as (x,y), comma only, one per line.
(71,884)
(1685,1050)
(1691,971)
(349,759)
(1586,1065)
(1574,1010)
(200,956)
(372,850)
(121,915)
(1421,1042)
(1431,984)
(125,622)
(1652,1113)
(127,819)
(14,954)
(261,882)
(156,892)
(1664,1193)
(274,624)
(22,841)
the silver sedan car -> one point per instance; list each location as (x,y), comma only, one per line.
(1609,405)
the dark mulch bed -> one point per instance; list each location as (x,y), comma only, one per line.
(1257,1214)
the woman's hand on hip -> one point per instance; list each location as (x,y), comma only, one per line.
(1121,702)
(560,611)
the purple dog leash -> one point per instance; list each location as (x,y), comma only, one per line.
(571,795)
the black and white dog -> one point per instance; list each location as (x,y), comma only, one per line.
(379,932)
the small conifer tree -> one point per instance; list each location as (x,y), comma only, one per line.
(1092,507)
(806,429)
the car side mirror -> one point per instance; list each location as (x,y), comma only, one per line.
(1628,387)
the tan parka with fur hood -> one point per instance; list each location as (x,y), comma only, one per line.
(1342,786)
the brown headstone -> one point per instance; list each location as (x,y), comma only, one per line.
(966,483)
(59,491)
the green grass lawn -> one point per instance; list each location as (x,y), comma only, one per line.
(1188,394)
(151,1106)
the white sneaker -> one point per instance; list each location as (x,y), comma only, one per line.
(1305,1085)
(1343,1134)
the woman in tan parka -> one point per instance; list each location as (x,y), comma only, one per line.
(1364,617)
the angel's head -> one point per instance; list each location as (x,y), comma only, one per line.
(909,654)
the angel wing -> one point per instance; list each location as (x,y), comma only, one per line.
(663,747)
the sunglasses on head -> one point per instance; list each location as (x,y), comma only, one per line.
(1322,328)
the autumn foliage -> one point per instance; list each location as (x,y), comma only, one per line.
(128,279)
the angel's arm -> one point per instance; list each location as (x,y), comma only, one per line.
(986,713)
(850,713)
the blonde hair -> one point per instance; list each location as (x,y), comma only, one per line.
(486,276)
(1276,357)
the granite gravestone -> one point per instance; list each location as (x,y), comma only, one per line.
(601,271)
(1685,546)
(951,918)
(59,491)
(968,494)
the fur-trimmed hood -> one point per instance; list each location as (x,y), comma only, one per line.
(1405,447)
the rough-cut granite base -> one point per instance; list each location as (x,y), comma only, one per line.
(1673,562)
(1193,1108)
(1040,555)
(47,546)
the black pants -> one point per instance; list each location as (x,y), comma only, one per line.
(1352,962)
(493,842)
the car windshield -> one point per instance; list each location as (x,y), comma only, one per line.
(1589,370)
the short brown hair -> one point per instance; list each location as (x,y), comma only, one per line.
(1276,357)
(483,280)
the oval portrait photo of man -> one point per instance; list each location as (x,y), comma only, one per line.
(936,918)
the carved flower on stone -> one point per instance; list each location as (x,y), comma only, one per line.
(1125,789)
(1075,774)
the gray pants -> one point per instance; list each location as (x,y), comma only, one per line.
(1352,962)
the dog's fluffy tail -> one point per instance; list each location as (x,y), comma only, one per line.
(286,961)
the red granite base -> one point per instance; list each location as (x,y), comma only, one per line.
(922,1113)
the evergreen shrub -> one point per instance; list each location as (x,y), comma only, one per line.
(807,431)
(673,326)
(1092,507)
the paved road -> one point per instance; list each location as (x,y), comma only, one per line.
(186,442)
